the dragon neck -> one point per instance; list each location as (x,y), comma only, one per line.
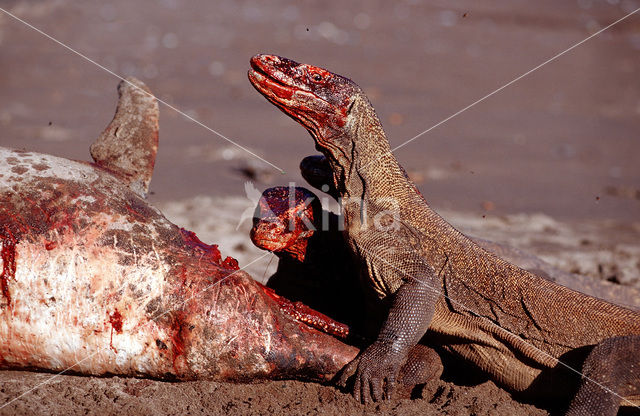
(371,177)
(364,166)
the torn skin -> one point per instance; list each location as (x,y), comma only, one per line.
(209,252)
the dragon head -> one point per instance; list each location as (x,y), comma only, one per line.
(284,220)
(318,99)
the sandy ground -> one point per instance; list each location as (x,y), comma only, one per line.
(549,165)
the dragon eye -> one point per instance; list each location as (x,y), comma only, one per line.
(316,77)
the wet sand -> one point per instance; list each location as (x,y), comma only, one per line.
(549,164)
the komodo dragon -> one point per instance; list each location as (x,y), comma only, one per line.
(531,336)
(315,268)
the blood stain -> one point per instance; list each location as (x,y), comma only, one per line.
(115,319)
(8,264)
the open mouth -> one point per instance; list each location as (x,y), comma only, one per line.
(262,78)
(279,89)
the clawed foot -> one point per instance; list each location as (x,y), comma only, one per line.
(371,383)
(376,370)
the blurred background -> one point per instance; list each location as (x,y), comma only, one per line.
(563,141)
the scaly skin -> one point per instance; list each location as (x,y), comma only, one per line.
(519,328)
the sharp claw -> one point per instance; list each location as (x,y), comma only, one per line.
(342,381)
(364,388)
(391,386)
(366,392)
(347,372)
(376,387)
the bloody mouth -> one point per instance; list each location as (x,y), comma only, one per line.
(266,84)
